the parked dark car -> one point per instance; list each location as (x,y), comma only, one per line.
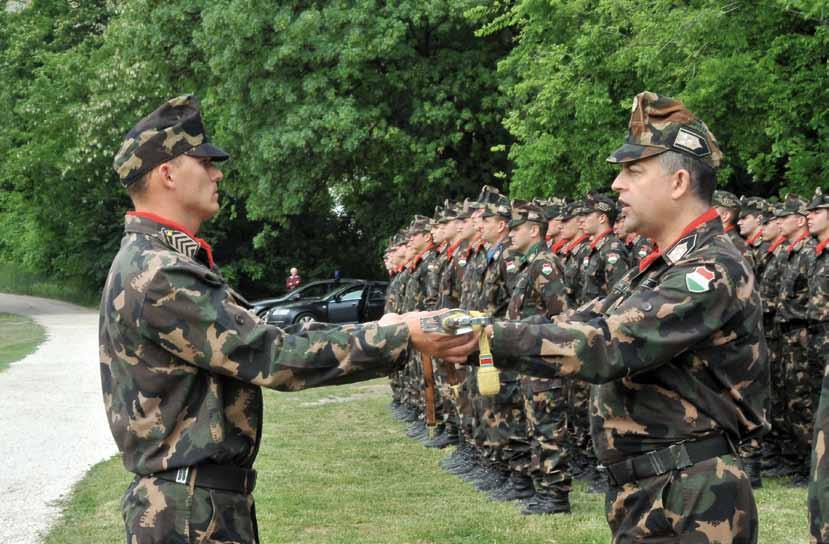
(312,289)
(355,303)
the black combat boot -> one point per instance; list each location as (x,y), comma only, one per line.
(448,437)
(548,501)
(518,487)
(752,469)
(495,479)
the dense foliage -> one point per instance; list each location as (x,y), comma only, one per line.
(345,117)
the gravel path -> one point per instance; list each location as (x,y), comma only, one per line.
(52,422)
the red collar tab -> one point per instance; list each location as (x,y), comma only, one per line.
(453,248)
(755,237)
(558,245)
(570,247)
(777,243)
(799,239)
(549,239)
(443,245)
(419,257)
(821,246)
(728,228)
(710,215)
(173,225)
(599,237)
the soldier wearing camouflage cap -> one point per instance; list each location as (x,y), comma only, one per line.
(753,211)
(728,206)
(800,379)
(676,350)
(183,359)
(542,476)
(818,312)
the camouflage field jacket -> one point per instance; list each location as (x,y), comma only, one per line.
(182,359)
(677,348)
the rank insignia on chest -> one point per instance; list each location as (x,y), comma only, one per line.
(180,242)
(461,262)
(547,269)
(699,281)
(585,261)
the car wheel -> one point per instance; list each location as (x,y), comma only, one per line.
(304,318)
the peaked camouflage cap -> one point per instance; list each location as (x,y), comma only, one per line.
(792,204)
(571,210)
(420,224)
(450,211)
(551,207)
(724,199)
(753,205)
(523,212)
(660,123)
(499,206)
(173,129)
(438,213)
(601,203)
(819,200)
(488,195)
(465,209)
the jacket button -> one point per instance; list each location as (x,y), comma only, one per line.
(240,320)
(647,306)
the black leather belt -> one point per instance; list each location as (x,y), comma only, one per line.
(674,457)
(222,477)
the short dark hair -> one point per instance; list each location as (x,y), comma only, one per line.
(703,177)
(542,229)
(138,187)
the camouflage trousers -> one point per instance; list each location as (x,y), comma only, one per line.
(778,436)
(802,377)
(503,423)
(819,475)
(578,418)
(545,406)
(709,502)
(157,511)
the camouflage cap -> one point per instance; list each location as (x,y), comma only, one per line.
(601,203)
(660,123)
(819,200)
(436,217)
(175,128)
(450,211)
(792,204)
(570,210)
(724,199)
(420,224)
(499,206)
(551,208)
(465,209)
(523,211)
(773,209)
(753,205)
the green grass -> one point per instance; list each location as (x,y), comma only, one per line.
(19,336)
(344,472)
(14,279)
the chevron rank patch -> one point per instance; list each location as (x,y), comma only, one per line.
(699,280)
(180,242)
(546,269)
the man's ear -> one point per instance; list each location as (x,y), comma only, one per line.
(680,184)
(165,172)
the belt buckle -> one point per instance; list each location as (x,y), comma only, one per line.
(182,475)
(679,453)
(656,463)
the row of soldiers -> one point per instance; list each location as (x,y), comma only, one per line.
(520,259)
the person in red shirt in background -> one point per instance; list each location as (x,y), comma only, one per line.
(293,281)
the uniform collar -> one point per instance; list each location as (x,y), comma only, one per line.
(174,235)
(821,246)
(777,243)
(728,228)
(572,245)
(599,237)
(419,256)
(453,248)
(799,239)
(533,251)
(558,245)
(754,238)
(688,239)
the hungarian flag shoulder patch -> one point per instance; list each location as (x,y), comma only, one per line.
(546,269)
(699,280)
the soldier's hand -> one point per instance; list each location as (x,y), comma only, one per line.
(449,347)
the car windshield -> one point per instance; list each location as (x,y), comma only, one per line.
(347,292)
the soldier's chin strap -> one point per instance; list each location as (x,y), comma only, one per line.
(462,322)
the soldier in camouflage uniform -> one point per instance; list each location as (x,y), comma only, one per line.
(772,265)
(419,296)
(818,311)
(556,235)
(542,475)
(183,359)
(728,206)
(604,261)
(501,424)
(572,252)
(396,256)
(800,379)
(676,349)
(753,211)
